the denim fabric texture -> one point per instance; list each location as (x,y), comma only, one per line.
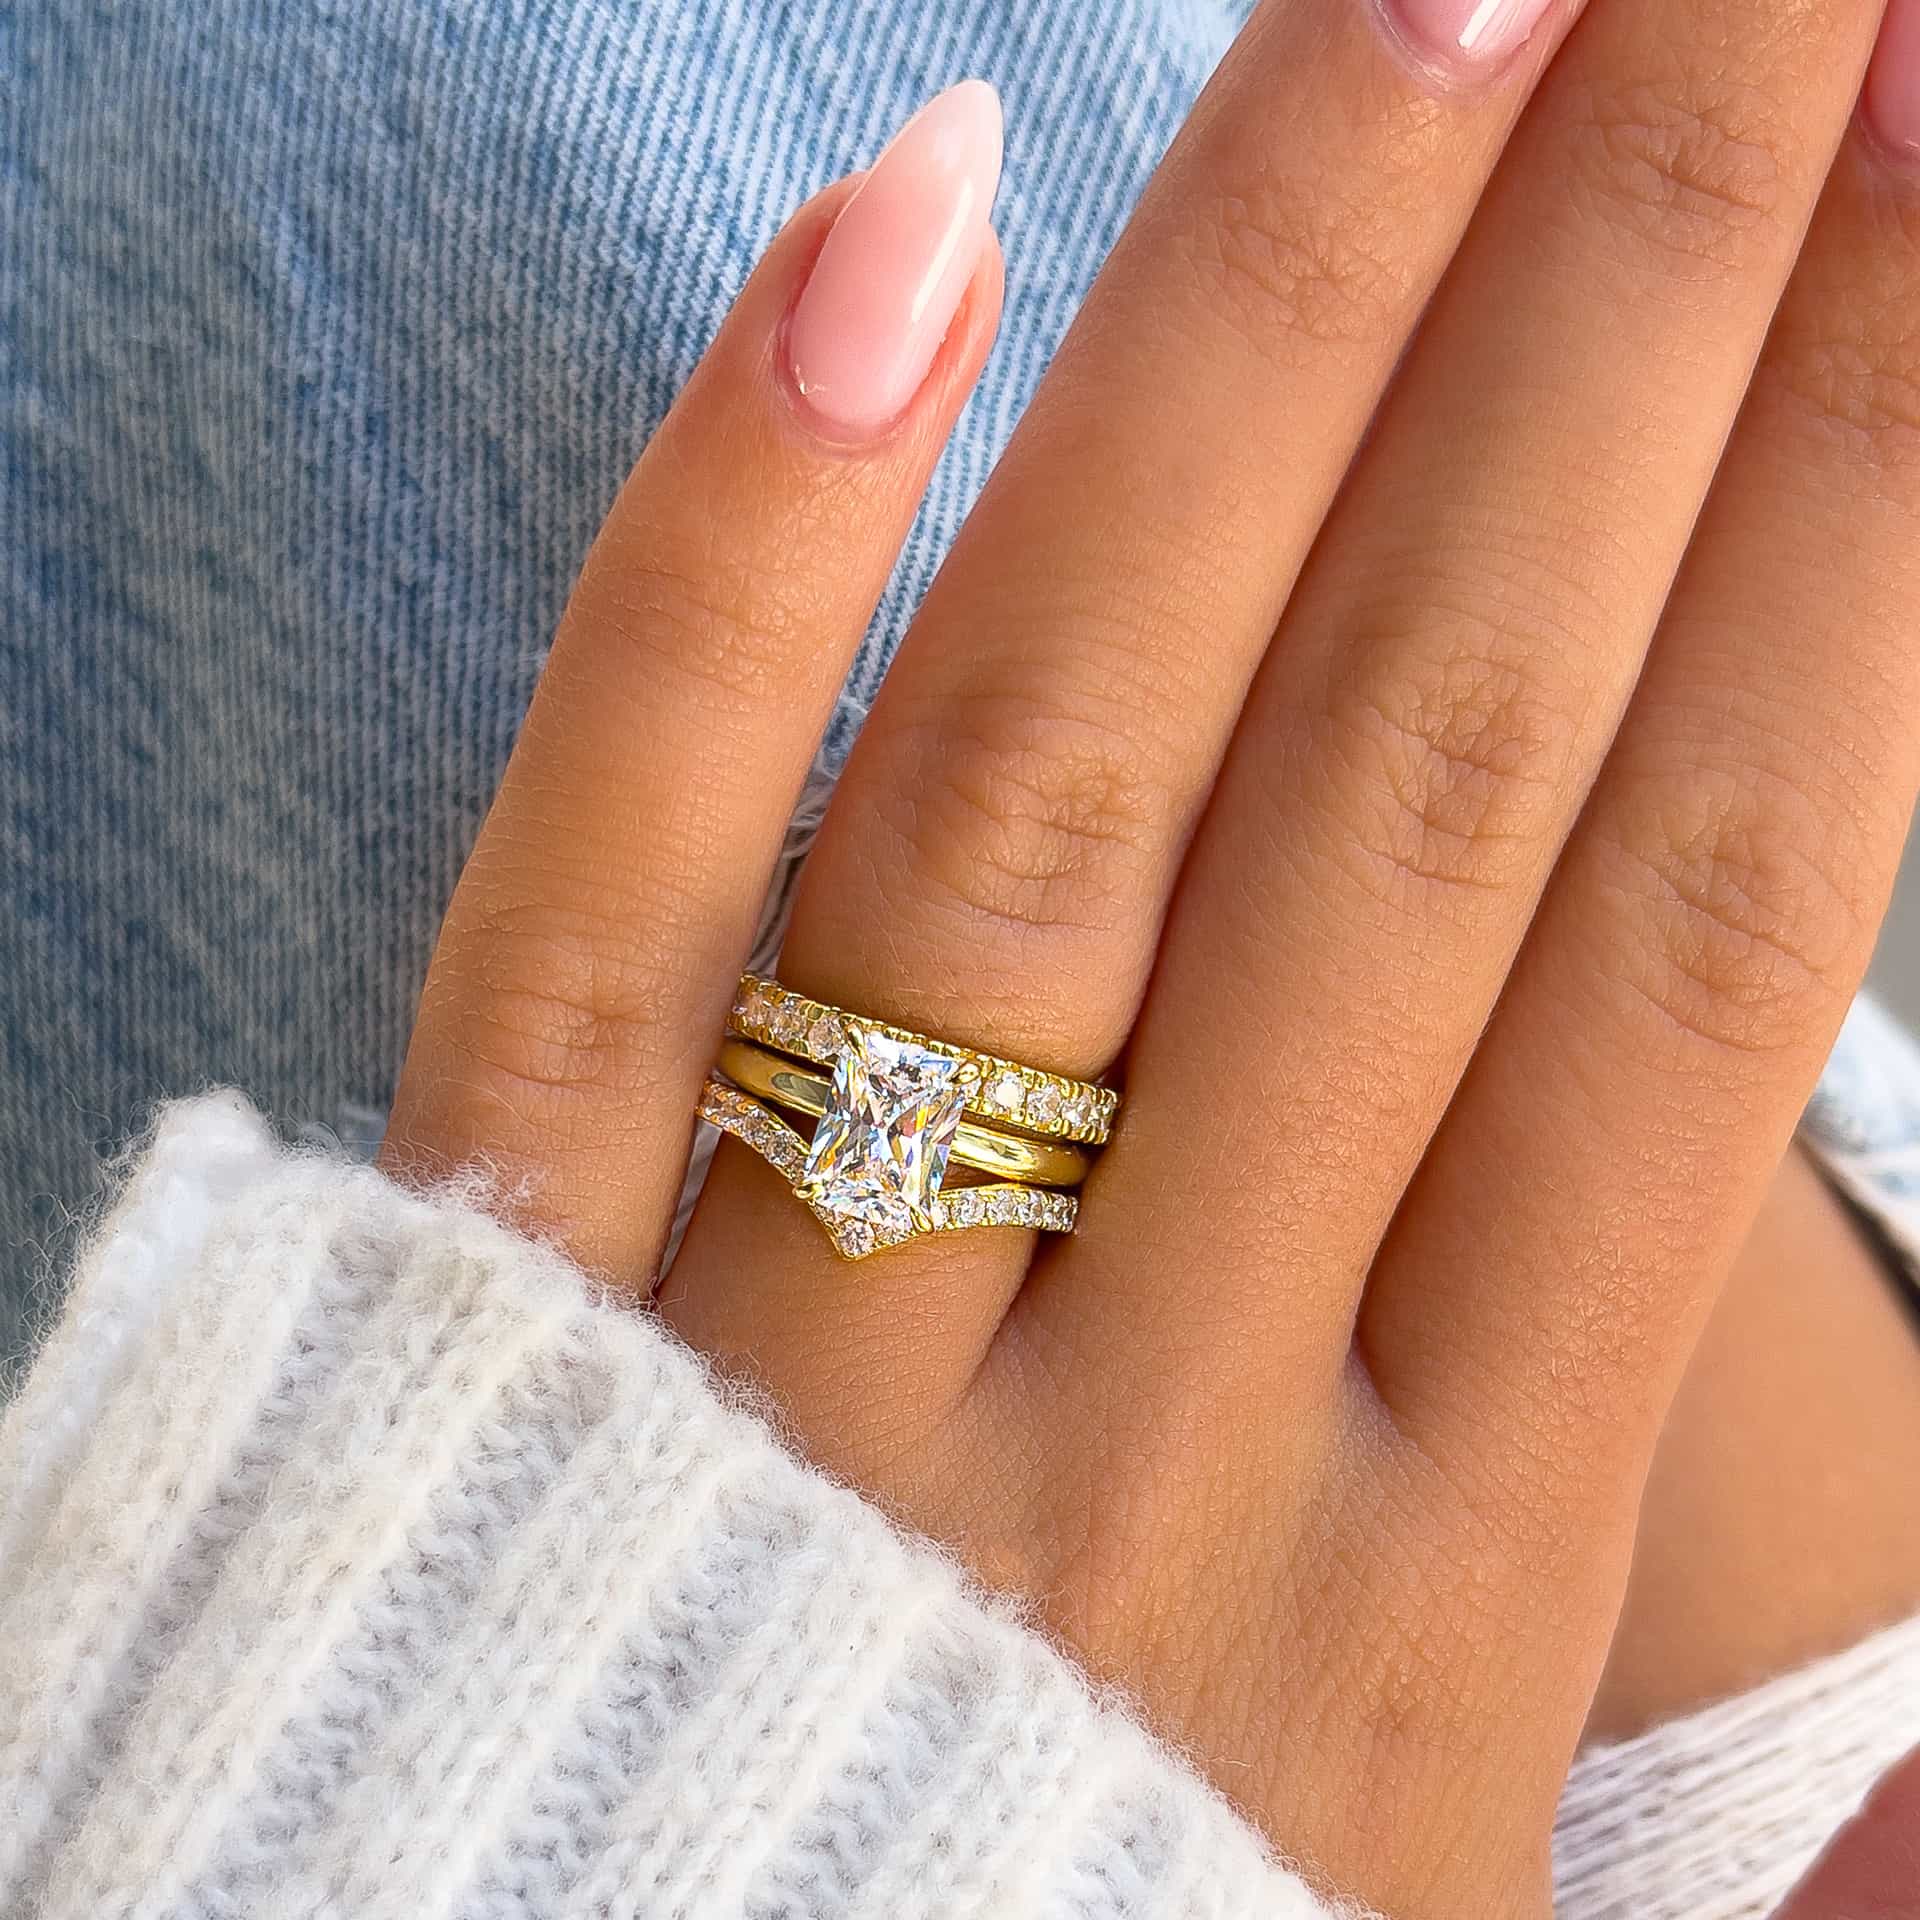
(1863,1124)
(326,334)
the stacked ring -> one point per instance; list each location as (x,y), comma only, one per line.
(893,1111)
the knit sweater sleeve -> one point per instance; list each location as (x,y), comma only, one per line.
(360,1558)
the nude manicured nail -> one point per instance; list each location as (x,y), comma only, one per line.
(1890,103)
(1465,38)
(891,273)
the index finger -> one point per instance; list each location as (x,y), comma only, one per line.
(596,937)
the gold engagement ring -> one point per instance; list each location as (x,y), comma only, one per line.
(893,1111)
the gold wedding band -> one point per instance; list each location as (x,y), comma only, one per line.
(805,1089)
(893,1110)
(1001,1092)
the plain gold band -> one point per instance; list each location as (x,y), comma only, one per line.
(787,1083)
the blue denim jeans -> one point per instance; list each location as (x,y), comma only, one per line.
(326,333)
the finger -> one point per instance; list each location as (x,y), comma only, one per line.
(1706,929)
(592,945)
(1871,1871)
(1444,683)
(1000,850)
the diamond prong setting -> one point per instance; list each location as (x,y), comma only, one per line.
(999,1091)
(888,1119)
(880,1150)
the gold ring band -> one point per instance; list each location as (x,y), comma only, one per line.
(1037,1209)
(1006,1156)
(891,1109)
(1001,1092)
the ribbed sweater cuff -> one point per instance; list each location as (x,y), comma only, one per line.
(358,1557)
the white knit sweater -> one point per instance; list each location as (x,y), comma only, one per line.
(358,1558)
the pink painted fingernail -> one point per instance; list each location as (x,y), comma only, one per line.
(890,276)
(1890,103)
(1463,39)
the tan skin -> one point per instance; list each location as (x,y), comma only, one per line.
(1778,1521)
(1465,814)
(1871,1869)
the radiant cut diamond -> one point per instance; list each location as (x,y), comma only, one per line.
(881,1146)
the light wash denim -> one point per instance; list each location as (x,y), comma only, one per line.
(327,331)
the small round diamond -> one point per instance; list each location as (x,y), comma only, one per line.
(1043,1104)
(824,1036)
(1008,1093)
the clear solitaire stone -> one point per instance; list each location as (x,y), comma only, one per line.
(880,1150)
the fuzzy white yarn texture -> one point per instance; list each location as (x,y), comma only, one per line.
(358,1558)
(1715,1816)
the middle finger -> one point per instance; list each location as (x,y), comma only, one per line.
(1451,671)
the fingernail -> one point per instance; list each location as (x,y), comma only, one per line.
(1464,39)
(891,273)
(1890,103)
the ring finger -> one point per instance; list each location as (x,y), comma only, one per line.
(996,861)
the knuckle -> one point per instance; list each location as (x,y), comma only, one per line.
(1456,766)
(1035,816)
(555,1014)
(1857,380)
(724,634)
(1411,1622)
(1684,173)
(1294,267)
(1748,904)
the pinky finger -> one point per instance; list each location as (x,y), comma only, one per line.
(1704,932)
(1871,1871)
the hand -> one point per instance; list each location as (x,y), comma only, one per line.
(1466,812)
(1872,1869)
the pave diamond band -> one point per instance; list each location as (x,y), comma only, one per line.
(1001,1092)
(992,1205)
(892,1110)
